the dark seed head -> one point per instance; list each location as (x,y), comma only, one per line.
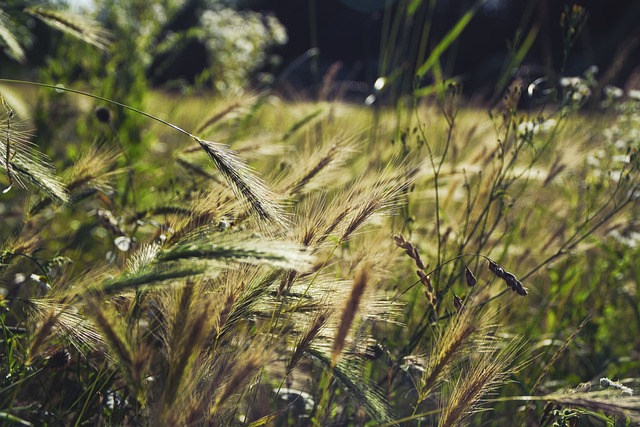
(103,114)
(496,269)
(470,278)
(514,284)
(458,304)
(60,359)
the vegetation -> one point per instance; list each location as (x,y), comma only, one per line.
(249,260)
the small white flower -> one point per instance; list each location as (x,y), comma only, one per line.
(613,92)
(634,94)
(527,128)
(548,125)
(123,243)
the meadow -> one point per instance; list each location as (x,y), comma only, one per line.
(250,259)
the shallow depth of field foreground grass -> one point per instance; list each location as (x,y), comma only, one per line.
(292,263)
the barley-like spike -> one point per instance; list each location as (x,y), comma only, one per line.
(325,161)
(303,344)
(237,379)
(87,30)
(40,336)
(470,278)
(410,249)
(9,35)
(244,182)
(349,313)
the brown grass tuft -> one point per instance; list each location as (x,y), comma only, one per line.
(349,313)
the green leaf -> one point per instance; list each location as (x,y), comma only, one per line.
(444,44)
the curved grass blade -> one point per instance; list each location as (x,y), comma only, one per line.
(276,254)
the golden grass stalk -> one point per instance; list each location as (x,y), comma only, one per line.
(69,325)
(302,123)
(246,185)
(223,316)
(132,361)
(306,339)
(380,200)
(216,117)
(80,27)
(488,371)
(91,172)
(322,163)
(349,313)
(93,169)
(318,167)
(24,163)
(185,346)
(454,342)
(243,371)
(40,336)
(113,338)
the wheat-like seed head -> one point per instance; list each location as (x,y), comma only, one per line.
(80,27)
(488,370)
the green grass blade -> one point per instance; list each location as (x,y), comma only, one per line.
(444,44)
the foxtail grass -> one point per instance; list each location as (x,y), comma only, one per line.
(487,371)
(80,27)
(349,312)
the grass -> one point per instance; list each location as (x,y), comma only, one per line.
(332,265)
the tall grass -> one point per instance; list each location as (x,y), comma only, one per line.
(284,265)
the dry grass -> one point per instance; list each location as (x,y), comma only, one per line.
(354,279)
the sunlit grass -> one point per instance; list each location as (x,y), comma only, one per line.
(187,301)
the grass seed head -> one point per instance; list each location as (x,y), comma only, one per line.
(470,278)
(496,269)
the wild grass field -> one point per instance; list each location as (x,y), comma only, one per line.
(255,260)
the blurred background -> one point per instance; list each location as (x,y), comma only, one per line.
(221,44)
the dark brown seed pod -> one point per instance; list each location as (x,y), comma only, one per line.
(103,114)
(458,304)
(496,269)
(60,359)
(509,278)
(514,284)
(470,278)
